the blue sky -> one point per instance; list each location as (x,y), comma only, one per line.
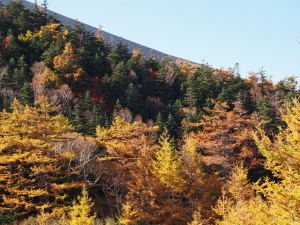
(255,34)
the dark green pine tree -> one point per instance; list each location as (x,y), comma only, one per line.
(159,122)
(24,21)
(164,83)
(133,99)
(45,5)
(268,113)
(22,63)
(190,99)
(5,22)
(26,94)
(8,77)
(107,122)
(21,73)
(120,53)
(98,114)
(171,125)
(177,107)
(120,78)
(77,119)
(2,59)
(87,101)
(118,105)
(20,16)
(39,16)
(100,64)
(204,85)
(12,49)
(6,217)
(90,125)
(224,95)
(97,118)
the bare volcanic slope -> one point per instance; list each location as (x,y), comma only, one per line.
(110,38)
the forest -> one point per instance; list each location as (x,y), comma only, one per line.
(95,134)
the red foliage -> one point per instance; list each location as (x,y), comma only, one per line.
(4,44)
(96,80)
(153,74)
(99,95)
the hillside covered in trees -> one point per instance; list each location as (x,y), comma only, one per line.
(92,133)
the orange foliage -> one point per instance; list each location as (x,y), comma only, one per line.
(67,63)
(187,68)
(226,137)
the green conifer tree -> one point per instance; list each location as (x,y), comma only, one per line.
(26,95)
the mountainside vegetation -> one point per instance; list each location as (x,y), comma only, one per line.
(92,133)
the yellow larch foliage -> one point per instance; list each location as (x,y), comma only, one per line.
(129,215)
(67,63)
(167,167)
(124,143)
(136,52)
(283,158)
(232,205)
(121,140)
(187,68)
(197,218)
(192,160)
(50,77)
(238,185)
(99,34)
(80,213)
(50,30)
(29,166)
(203,188)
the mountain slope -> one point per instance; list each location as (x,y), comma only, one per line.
(110,38)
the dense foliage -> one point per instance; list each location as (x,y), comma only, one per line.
(147,141)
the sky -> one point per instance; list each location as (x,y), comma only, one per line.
(254,33)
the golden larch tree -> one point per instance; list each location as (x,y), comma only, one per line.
(283,158)
(157,186)
(124,143)
(80,213)
(33,175)
(67,63)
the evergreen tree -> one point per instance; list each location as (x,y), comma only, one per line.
(190,99)
(77,120)
(159,122)
(100,64)
(12,49)
(268,113)
(120,53)
(132,99)
(26,95)
(171,125)
(87,101)
(39,16)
